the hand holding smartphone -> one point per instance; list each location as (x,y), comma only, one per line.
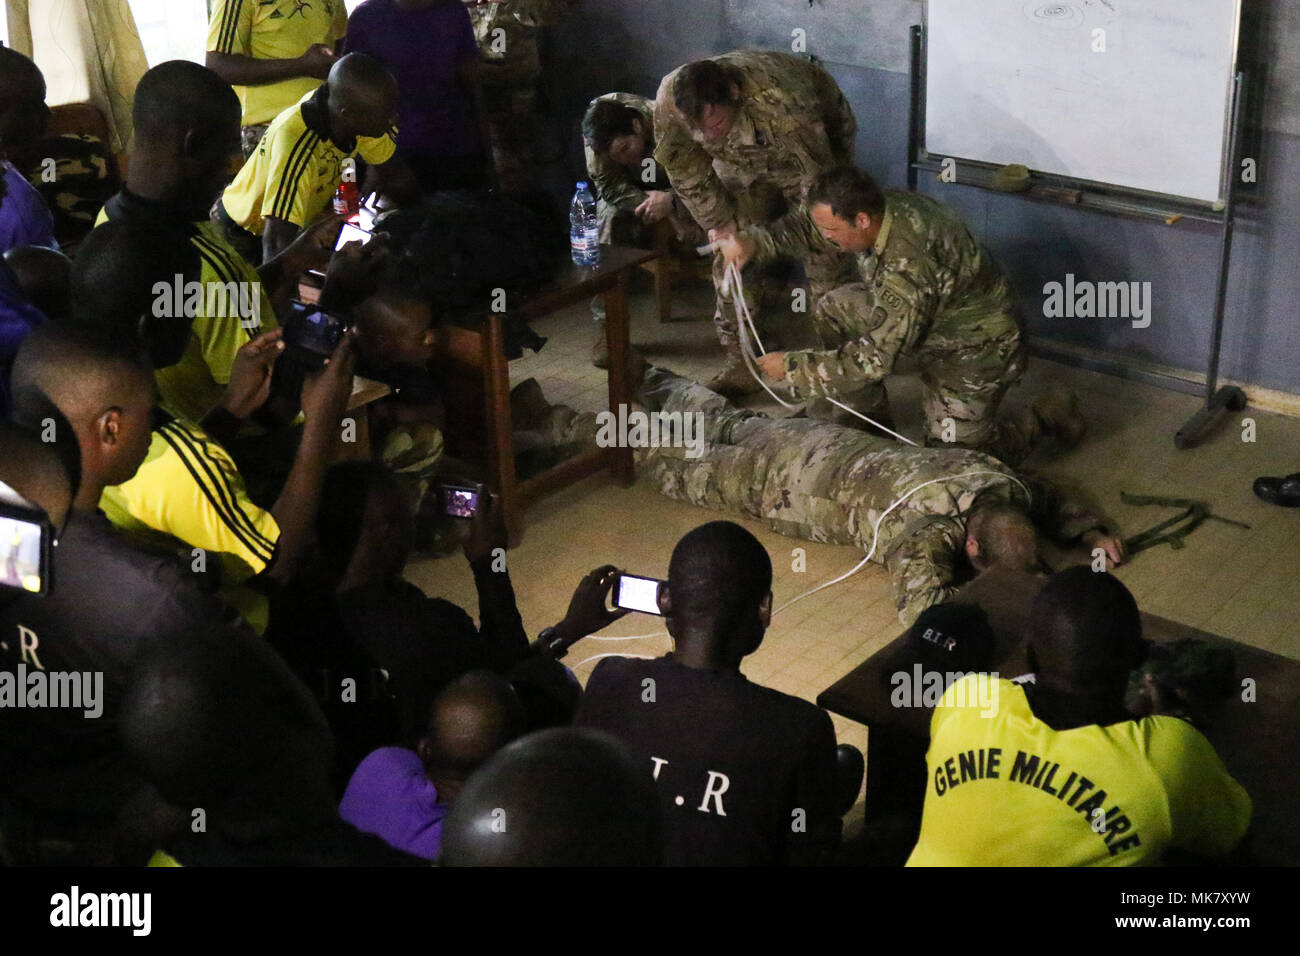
(26,537)
(634,593)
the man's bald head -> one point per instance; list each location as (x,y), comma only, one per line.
(1085,634)
(720,584)
(474,717)
(364,92)
(395,326)
(561,797)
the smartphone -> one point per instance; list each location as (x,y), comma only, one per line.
(352,233)
(637,594)
(25,541)
(312,333)
(459,501)
(310,284)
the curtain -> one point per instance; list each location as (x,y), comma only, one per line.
(88,50)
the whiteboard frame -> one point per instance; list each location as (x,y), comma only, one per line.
(1070,190)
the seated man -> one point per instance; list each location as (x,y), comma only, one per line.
(107,599)
(218,723)
(355,613)
(25,220)
(395,339)
(185,130)
(935,517)
(188,490)
(308,150)
(745,774)
(632,189)
(922,285)
(273,53)
(403,795)
(1059,774)
(566,796)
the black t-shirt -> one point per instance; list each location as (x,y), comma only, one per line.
(734,762)
(107,600)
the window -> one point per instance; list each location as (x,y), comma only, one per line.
(171,29)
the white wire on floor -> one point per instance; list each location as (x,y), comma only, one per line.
(732,281)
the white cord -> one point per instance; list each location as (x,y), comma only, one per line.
(732,282)
(596,657)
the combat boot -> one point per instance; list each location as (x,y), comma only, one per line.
(1058,411)
(735,380)
(528,406)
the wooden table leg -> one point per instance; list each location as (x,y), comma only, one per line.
(620,392)
(496,387)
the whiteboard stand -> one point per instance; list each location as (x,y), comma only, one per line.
(1229,398)
(1098,197)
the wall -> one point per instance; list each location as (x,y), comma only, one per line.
(631,44)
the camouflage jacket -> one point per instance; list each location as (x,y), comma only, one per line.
(507,35)
(824,482)
(793,123)
(926,284)
(617,185)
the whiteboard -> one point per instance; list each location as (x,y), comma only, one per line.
(1131,93)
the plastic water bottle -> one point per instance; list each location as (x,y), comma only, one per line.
(584,229)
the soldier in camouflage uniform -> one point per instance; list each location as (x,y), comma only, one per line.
(510,69)
(823,482)
(633,194)
(923,286)
(742,137)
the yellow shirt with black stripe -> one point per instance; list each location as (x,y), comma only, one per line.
(293,173)
(274,30)
(189,491)
(234,309)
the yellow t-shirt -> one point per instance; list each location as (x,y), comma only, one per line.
(188,490)
(1005,789)
(233,308)
(274,30)
(295,169)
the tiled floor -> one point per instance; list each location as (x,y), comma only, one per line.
(1234,582)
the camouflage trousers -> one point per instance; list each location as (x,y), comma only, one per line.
(250,137)
(413,451)
(962,383)
(807,478)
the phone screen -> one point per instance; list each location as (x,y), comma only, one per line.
(638,594)
(459,502)
(314,330)
(352,233)
(24,552)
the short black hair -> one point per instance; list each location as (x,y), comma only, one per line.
(119,267)
(719,572)
(178,96)
(848,191)
(606,120)
(1085,630)
(704,83)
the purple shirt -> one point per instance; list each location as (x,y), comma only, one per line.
(390,796)
(25,220)
(422,48)
(17,318)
